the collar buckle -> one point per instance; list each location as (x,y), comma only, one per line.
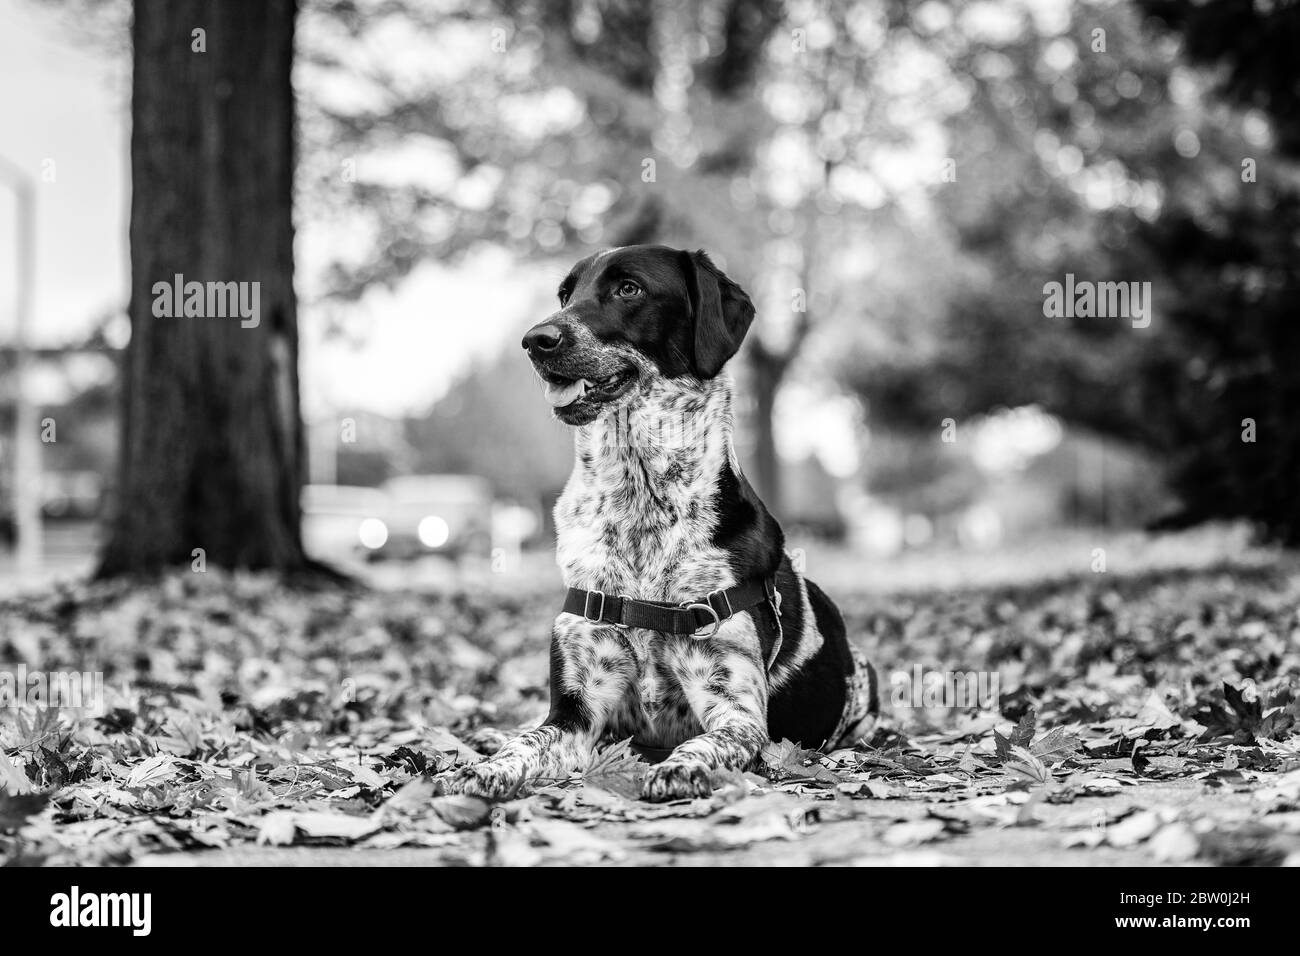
(708,599)
(586,607)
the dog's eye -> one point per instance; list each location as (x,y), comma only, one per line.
(564,297)
(627,289)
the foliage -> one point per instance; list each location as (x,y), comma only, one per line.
(1139,715)
(1123,163)
(1229,250)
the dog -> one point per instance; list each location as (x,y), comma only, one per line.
(685,627)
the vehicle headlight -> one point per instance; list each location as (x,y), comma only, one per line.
(433,531)
(373,533)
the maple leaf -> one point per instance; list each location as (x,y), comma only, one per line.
(617,769)
(1156,714)
(967,762)
(271,734)
(1029,766)
(1054,745)
(1247,711)
(155,770)
(1002,747)
(1024,731)
(414,762)
(1240,719)
(776,755)
(787,760)
(1281,717)
(13,782)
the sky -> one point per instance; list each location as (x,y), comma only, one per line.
(63,105)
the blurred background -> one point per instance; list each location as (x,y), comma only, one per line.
(894,183)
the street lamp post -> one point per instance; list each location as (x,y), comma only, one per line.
(26,454)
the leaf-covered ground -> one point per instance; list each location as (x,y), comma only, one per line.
(1149,718)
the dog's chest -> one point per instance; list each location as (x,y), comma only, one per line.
(638,520)
(656,712)
(639,545)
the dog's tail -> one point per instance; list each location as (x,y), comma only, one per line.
(862,709)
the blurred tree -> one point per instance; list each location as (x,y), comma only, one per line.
(1256,42)
(1089,145)
(564,125)
(736,125)
(774,134)
(491,423)
(212,446)
(1231,388)
(1047,166)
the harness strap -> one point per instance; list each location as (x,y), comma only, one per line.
(695,618)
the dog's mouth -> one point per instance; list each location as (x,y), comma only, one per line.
(578,400)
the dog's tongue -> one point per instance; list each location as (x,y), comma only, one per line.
(561,395)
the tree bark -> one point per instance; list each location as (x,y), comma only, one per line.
(767,370)
(212,441)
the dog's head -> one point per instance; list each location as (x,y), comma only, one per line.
(629,315)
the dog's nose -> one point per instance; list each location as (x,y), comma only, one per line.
(543,338)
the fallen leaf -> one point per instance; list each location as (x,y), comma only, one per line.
(15,810)
(1133,829)
(1175,843)
(914,832)
(576,845)
(157,769)
(461,811)
(12,781)
(281,827)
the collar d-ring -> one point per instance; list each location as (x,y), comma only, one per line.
(717,621)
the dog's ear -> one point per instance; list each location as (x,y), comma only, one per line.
(720,309)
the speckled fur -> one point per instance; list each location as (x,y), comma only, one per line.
(636,519)
(639,517)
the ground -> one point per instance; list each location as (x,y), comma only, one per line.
(1145,714)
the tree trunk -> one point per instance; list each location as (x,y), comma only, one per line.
(212,442)
(766,373)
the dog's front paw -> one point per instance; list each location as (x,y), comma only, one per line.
(677,780)
(489,779)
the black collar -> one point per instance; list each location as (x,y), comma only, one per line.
(696,618)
